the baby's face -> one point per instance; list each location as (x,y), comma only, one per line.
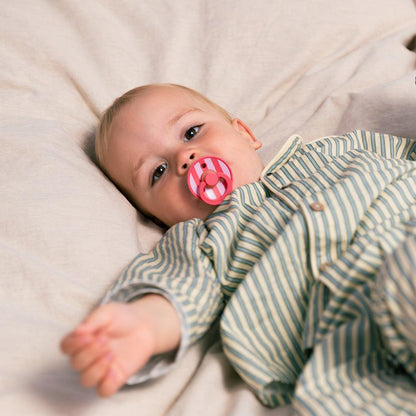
(155,138)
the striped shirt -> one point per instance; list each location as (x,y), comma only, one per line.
(293,265)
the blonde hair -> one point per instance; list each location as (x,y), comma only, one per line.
(104,126)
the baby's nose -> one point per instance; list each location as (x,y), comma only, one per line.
(185,160)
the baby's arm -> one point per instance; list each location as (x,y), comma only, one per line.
(117,339)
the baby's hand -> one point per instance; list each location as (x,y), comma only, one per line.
(113,343)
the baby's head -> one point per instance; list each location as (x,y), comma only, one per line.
(150,136)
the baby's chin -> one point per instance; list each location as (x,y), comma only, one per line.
(201,211)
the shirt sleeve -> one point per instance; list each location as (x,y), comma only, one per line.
(385,145)
(178,269)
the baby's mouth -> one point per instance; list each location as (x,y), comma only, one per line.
(210,179)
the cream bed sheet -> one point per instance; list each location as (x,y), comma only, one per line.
(312,68)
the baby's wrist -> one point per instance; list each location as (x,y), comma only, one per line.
(159,321)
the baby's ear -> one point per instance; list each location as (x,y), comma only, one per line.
(245,131)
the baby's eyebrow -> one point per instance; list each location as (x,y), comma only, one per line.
(181,114)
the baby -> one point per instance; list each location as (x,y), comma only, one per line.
(309,261)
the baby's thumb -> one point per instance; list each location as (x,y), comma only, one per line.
(97,321)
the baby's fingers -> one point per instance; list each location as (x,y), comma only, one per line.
(95,373)
(95,324)
(85,357)
(99,320)
(114,379)
(74,342)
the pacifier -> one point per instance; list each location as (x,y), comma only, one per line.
(210,179)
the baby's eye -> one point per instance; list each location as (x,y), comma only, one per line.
(158,172)
(191,133)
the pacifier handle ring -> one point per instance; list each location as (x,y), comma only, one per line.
(203,185)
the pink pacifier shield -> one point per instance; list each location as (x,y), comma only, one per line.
(210,179)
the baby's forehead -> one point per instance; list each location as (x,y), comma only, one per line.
(173,95)
(161,103)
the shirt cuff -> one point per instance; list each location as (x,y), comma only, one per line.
(159,364)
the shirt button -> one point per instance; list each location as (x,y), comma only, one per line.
(323,266)
(317,206)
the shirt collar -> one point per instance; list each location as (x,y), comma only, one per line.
(286,152)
